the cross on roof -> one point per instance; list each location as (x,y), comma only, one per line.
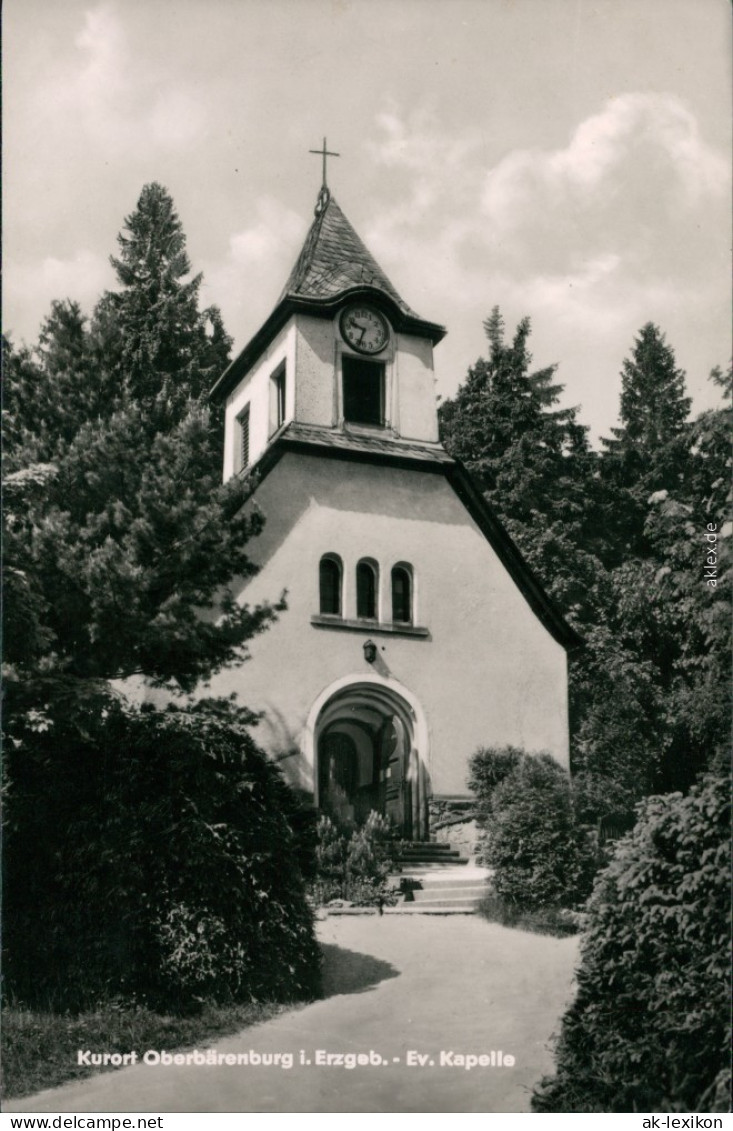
(324,153)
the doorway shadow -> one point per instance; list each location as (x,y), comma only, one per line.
(350,972)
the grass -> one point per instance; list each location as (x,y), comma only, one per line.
(557,921)
(39,1050)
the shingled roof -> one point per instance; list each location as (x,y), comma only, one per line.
(333,264)
(334,259)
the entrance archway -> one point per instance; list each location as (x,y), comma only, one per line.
(368,743)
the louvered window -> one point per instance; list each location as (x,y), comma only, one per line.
(243,439)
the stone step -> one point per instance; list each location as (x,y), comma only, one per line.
(453,893)
(456,901)
(441,881)
(439,845)
(413,868)
(431,909)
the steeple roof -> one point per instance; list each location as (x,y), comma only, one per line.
(333,264)
(334,259)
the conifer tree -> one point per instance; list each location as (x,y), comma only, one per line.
(132,534)
(654,407)
(155,337)
(532,459)
(122,553)
(650,451)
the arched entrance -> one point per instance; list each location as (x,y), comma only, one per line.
(369,752)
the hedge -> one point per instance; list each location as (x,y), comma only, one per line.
(650,1027)
(540,854)
(149,856)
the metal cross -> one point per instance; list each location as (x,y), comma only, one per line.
(324,153)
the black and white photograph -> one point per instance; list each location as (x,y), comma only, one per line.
(366,559)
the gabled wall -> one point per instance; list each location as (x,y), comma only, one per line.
(487,671)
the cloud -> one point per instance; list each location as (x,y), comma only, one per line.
(623,224)
(114,98)
(627,173)
(82,277)
(248,281)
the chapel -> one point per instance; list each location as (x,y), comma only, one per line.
(414,631)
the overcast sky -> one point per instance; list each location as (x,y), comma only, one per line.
(565,159)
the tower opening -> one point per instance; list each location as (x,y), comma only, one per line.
(363,389)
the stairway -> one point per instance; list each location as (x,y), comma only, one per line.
(445,883)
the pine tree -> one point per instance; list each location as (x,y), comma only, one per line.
(132,535)
(122,552)
(155,337)
(532,460)
(653,405)
(650,451)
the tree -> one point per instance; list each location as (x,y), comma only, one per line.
(671,610)
(132,536)
(156,849)
(155,337)
(650,451)
(532,460)
(503,424)
(539,854)
(122,550)
(614,542)
(654,407)
(649,1029)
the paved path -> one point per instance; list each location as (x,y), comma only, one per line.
(396,984)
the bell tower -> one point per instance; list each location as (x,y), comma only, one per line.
(414,632)
(342,354)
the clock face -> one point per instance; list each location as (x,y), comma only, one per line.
(364,329)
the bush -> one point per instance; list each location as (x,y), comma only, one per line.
(649,1029)
(557,921)
(540,853)
(354,864)
(596,796)
(487,769)
(330,878)
(154,848)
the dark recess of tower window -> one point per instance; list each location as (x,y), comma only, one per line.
(329,585)
(366,591)
(401,596)
(363,386)
(243,454)
(277,399)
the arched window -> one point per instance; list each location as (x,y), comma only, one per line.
(329,585)
(366,590)
(401,595)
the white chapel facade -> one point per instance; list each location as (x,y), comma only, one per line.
(414,632)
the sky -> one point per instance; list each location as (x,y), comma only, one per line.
(566,160)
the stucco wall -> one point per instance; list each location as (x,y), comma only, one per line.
(489,672)
(254,390)
(312,349)
(315,396)
(417,414)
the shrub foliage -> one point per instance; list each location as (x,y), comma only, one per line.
(155,850)
(541,855)
(354,863)
(649,1029)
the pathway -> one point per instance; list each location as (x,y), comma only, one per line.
(397,985)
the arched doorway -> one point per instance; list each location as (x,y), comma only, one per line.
(369,751)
